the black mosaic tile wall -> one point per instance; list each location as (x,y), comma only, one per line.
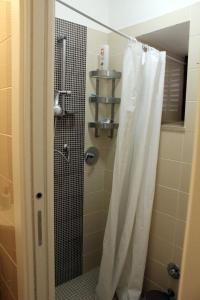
(69,177)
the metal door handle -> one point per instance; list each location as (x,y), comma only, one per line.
(39,224)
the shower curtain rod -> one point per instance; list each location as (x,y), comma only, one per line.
(94,20)
(109,28)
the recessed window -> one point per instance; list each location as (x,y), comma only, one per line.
(174,40)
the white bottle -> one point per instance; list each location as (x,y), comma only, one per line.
(104,57)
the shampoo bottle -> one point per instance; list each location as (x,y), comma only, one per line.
(104,58)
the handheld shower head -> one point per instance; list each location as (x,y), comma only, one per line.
(57,108)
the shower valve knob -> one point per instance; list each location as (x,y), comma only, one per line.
(91,156)
(173,270)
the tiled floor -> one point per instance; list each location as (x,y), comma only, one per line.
(80,288)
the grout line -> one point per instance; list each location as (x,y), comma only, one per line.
(95,212)
(96,232)
(155,283)
(11,259)
(7,135)
(173,189)
(8,288)
(91,193)
(6,38)
(170,216)
(92,252)
(9,223)
(173,160)
(6,179)
(157,261)
(6,88)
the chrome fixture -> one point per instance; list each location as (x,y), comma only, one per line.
(63,71)
(173,270)
(63,93)
(105,123)
(66,154)
(94,20)
(57,108)
(91,156)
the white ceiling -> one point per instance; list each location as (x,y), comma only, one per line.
(173,39)
(130,12)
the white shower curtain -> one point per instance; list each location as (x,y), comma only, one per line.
(127,230)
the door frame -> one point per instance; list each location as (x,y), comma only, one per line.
(32,122)
(33,54)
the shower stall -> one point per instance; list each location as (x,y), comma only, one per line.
(106,141)
(84,124)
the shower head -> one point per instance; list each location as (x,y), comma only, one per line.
(57,111)
(57,108)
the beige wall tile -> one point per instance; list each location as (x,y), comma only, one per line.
(95,39)
(194,52)
(5,111)
(169,173)
(157,272)
(166,200)
(117,44)
(91,261)
(93,242)
(94,222)
(107,196)
(185,177)
(190,115)
(171,144)
(116,62)
(179,233)
(6,195)
(94,202)
(160,250)
(6,156)
(108,156)
(90,84)
(150,285)
(92,62)
(5,20)
(178,252)
(94,180)
(188,147)
(5,64)
(192,92)
(8,271)
(163,227)
(182,206)
(173,284)
(6,294)
(108,176)
(7,240)
(102,142)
